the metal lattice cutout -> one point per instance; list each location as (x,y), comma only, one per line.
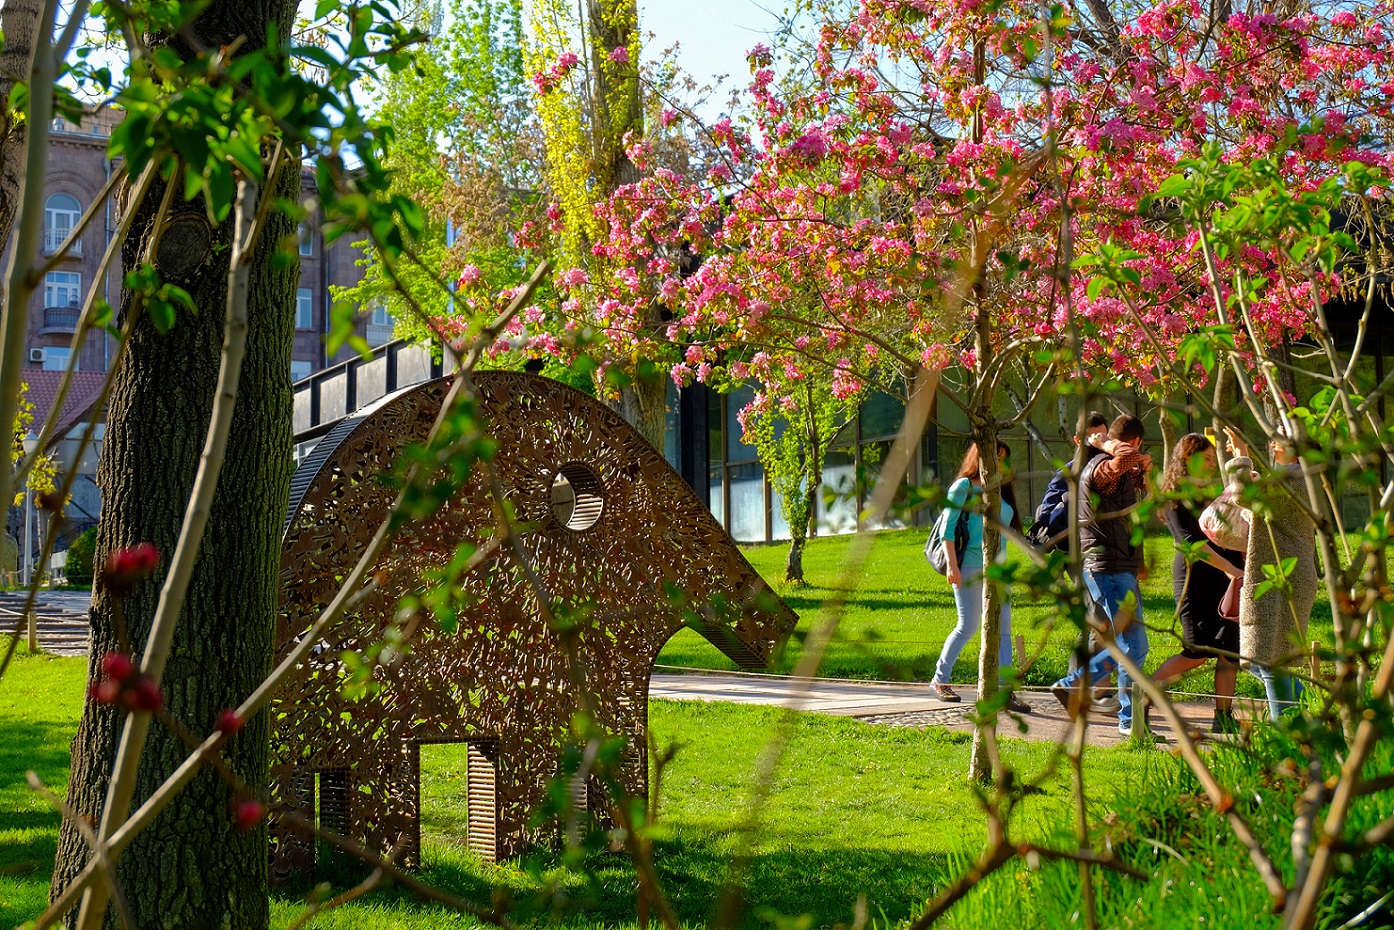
(626,552)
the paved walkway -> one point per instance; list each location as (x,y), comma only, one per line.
(61,617)
(906,705)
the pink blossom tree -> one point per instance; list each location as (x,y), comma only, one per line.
(927,193)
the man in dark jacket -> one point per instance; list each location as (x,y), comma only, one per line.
(1110,487)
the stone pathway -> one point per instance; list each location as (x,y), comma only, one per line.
(907,705)
(61,618)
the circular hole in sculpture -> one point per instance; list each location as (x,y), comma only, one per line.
(577,496)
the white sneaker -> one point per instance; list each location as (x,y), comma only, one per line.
(1104,703)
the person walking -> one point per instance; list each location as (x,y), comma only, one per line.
(1110,487)
(1050,528)
(1052,520)
(1272,625)
(965,572)
(1199,585)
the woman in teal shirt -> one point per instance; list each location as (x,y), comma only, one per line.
(965,574)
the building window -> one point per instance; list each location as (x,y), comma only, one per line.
(379,325)
(307,238)
(301,370)
(62,289)
(304,309)
(61,213)
(56,358)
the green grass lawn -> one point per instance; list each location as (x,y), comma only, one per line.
(40,700)
(901,614)
(856,810)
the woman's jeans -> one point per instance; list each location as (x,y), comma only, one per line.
(1283,690)
(968,598)
(1110,592)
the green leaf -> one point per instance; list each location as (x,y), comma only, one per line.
(1174,186)
(162,315)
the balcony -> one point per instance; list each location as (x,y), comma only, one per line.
(60,319)
(53,241)
(378,334)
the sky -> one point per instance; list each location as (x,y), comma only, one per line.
(713,35)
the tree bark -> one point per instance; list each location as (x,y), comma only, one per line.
(644,406)
(19,21)
(801,530)
(191,867)
(984,428)
(1168,428)
(612,25)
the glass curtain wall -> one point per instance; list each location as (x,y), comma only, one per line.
(749,508)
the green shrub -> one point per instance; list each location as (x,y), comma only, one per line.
(80,555)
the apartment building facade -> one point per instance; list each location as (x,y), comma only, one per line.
(76,182)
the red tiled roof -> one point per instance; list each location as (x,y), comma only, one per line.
(43,391)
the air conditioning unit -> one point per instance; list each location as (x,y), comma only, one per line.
(36,355)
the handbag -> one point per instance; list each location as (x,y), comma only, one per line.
(934,549)
(1225,523)
(1229,604)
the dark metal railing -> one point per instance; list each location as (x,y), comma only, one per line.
(334,393)
(61,319)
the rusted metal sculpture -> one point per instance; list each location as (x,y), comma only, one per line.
(623,549)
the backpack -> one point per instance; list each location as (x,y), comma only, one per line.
(934,546)
(1048,531)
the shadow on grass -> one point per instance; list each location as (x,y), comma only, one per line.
(29,825)
(786,882)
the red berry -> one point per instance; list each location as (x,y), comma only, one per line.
(116,665)
(125,568)
(105,692)
(228,722)
(145,694)
(247,813)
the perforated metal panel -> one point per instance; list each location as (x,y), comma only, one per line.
(625,553)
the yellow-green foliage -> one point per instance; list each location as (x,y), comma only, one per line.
(42,475)
(581,139)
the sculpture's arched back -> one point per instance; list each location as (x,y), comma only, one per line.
(619,544)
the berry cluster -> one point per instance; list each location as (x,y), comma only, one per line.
(126,568)
(123,685)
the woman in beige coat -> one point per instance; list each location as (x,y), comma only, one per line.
(1272,625)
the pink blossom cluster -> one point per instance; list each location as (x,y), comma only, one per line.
(550,79)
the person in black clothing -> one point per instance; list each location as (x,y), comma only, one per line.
(1201,585)
(1050,528)
(1052,520)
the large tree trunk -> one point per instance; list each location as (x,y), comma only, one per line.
(191,867)
(644,406)
(1168,428)
(19,21)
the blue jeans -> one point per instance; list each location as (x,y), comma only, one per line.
(1109,591)
(1282,689)
(968,598)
